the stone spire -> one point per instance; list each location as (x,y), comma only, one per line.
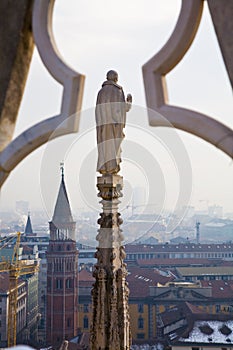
(110,322)
(28,228)
(110,329)
(62,225)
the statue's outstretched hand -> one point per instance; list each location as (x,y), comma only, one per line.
(129,98)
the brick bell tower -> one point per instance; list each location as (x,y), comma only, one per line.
(62,273)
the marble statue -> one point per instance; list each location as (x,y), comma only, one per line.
(110,113)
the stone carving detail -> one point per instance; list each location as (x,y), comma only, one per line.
(106,221)
(109,220)
(99,256)
(109,193)
(110,321)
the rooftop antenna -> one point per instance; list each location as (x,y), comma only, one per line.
(198,232)
(62,169)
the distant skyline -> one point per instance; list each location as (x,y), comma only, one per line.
(214,210)
(92,43)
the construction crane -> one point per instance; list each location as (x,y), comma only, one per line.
(140,205)
(15,268)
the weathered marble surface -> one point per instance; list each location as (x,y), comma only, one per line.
(110,113)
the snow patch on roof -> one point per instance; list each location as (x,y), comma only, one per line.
(196,335)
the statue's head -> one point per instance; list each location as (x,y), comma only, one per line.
(112,75)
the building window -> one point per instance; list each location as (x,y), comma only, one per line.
(68,322)
(85,322)
(140,307)
(59,284)
(140,323)
(0,310)
(68,283)
(195,348)
(85,308)
(140,336)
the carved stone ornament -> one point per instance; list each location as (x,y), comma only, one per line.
(110,321)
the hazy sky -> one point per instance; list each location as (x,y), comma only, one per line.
(93,37)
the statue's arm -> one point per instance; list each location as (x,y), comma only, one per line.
(129,100)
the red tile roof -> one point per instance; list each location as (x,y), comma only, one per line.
(178,312)
(220,289)
(183,262)
(85,275)
(4,282)
(27,249)
(181,247)
(205,271)
(85,278)
(140,279)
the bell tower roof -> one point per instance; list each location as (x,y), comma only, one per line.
(62,212)
(28,228)
(62,225)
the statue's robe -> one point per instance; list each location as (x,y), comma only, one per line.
(110,113)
